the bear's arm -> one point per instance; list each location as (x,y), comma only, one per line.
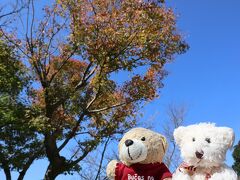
(111,169)
(227,173)
(181,176)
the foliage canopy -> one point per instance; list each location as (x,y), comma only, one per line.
(19,145)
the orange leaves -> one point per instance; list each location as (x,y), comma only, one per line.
(63,75)
(140,89)
(144,87)
(67,72)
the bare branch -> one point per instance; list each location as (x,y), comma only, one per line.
(29,163)
(63,64)
(86,76)
(85,153)
(102,156)
(176,115)
(74,130)
(74,154)
(32,22)
(72,133)
(107,108)
(93,99)
(13,42)
(14,11)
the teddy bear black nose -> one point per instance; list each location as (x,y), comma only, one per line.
(128,142)
(199,155)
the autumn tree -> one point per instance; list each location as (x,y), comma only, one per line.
(79,53)
(236,157)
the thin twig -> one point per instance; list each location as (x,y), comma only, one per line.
(106,108)
(102,156)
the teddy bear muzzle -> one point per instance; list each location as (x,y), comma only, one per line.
(134,151)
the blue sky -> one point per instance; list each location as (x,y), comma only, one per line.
(207,78)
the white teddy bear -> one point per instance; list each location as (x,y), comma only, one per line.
(203,149)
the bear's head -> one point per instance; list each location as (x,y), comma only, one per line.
(204,144)
(140,145)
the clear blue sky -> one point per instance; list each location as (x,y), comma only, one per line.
(207,78)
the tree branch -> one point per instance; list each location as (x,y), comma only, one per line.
(102,156)
(106,108)
(63,64)
(32,22)
(85,76)
(14,11)
(85,153)
(28,163)
(6,169)
(72,133)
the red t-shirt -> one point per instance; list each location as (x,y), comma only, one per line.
(156,171)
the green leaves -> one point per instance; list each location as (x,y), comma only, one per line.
(236,157)
(12,77)
(17,140)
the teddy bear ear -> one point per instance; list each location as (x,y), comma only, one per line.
(164,143)
(178,134)
(227,135)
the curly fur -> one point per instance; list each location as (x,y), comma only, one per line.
(211,143)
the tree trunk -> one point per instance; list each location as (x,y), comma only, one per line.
(50,174)
(21,175)
(56,169)
(57,163)
(6,169)
(26,167)
(7,173)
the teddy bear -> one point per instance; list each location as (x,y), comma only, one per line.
(141,152)
(203,149)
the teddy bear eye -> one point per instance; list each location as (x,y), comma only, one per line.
(193,139)
(208,140)
(143,138)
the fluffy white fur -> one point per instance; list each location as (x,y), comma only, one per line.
(211,143)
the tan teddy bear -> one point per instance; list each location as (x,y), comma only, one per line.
(141,152)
